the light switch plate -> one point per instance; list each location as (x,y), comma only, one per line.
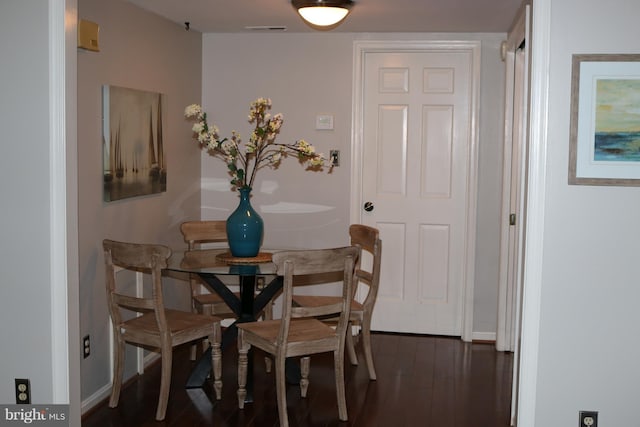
(324,122)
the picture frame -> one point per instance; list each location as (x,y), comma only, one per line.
(604,144)
(134,163)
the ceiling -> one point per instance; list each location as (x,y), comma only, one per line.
(232,16)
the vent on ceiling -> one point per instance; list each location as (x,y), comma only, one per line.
(266,28)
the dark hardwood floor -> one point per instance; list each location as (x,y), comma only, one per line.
(422,381)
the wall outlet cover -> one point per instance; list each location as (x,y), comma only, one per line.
(23,391)
(324,122)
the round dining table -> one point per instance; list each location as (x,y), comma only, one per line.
(259,284)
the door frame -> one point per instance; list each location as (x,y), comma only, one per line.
(360,49)
(512,237)
(536,204)
(512,243)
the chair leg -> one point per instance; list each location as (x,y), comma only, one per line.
(338,360)
(207,310)
(304,375)
(267,314)
(243,350)
(351,348)
(194,347)
(366,346)
(165,380)
(281,390)
(118,362)
(216,360)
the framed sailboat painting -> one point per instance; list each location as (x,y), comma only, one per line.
(133,154)
(605,120)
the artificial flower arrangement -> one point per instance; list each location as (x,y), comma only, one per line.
(260,151)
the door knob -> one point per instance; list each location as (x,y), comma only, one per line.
(368,206)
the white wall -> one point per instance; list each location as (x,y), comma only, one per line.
(38,296)
(588,346)
(25,302)
(310,74)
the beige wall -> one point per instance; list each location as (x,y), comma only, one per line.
(141,51)
(310,74)
(304,75)
(588,310)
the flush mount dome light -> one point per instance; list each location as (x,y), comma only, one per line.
(322,13)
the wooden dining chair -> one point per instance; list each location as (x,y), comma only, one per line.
(196,233)
(366,278)
(299,333)
(154,326)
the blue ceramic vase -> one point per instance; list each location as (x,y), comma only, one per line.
(245,228)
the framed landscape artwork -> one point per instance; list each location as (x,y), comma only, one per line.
(133,152)
(605,120)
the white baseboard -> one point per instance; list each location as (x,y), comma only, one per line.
(96,398)
(105,391)
(484,336)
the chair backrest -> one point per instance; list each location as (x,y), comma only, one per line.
(145,258)
(196,232)
(323,263)
(367,238)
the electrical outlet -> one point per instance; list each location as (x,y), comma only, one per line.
(23,391)
(334,157)
(588,419)
(86,346)
(260,283)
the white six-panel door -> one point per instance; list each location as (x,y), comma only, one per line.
(417,160)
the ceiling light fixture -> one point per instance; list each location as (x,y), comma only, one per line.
(322,13)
